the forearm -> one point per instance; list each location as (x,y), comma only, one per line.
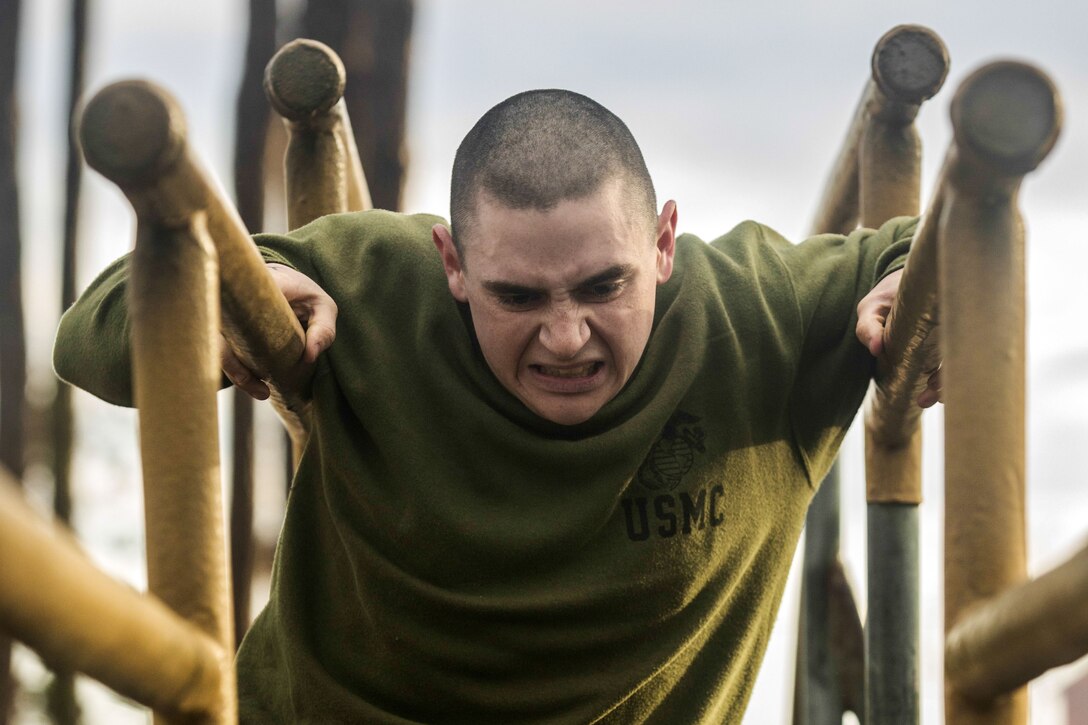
(93,346)
(92,349)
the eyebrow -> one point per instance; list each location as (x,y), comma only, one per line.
(616,271)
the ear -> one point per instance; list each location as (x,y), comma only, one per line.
(451,261)
(666,241)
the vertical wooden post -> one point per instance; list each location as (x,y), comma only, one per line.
(62,704)
(174,301)
(373,39)
(193,258)
(134,134)
(305,84)
(250,133)
(1005,118)
(12,335)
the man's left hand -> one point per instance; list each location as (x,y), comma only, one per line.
(873,316)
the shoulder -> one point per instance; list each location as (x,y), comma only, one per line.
(357,244)
(736,281)
(749,242)
(748,254)
(353,230)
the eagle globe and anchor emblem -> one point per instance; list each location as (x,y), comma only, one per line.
(673,453)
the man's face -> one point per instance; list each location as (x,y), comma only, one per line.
(562,300)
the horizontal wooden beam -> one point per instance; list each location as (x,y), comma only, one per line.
(77,618)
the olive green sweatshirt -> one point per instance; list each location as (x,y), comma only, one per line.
(448,556)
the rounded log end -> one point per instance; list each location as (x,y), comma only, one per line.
(910,63)
(305,78)
(131,132)
(1008,114)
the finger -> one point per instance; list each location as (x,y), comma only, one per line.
(315,309)
(240,375)
(870,331)
(321,328)
(928,398)
(873,312)
(932,394)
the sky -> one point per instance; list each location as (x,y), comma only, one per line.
(740,108)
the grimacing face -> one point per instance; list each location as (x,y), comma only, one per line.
(563,299)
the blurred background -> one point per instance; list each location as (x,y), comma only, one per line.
(740,109)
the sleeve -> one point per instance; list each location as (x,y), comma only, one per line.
(92,350)
(830,274)
(280,250)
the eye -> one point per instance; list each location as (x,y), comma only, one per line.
(518,300)
(602,291)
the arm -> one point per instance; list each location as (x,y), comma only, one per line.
(93,349)
(831,275)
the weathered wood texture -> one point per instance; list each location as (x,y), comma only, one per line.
(1005,118)
(250,133)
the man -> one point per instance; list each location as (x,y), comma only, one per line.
(558,469)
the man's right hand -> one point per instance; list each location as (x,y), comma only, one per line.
(314,309)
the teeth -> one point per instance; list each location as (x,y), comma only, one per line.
(579,372)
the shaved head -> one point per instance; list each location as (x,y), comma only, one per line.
(541,147)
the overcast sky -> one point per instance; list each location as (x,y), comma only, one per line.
(740,108)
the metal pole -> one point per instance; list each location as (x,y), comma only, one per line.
(909,66)
(893,485)
(1006,118)
(817,692)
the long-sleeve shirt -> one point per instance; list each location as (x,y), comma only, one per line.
(449,556)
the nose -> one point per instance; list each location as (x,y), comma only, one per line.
(564,331)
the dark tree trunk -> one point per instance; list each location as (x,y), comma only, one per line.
(372,38)
(251,128)
(12,335)
(62,704)
(62,409)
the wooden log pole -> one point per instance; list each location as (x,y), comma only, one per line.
(251,124)
(1006,118)
(133,133)
(79,619)
(909,65)
(1013,638)
(13,353)
(305,84)
(174,304)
